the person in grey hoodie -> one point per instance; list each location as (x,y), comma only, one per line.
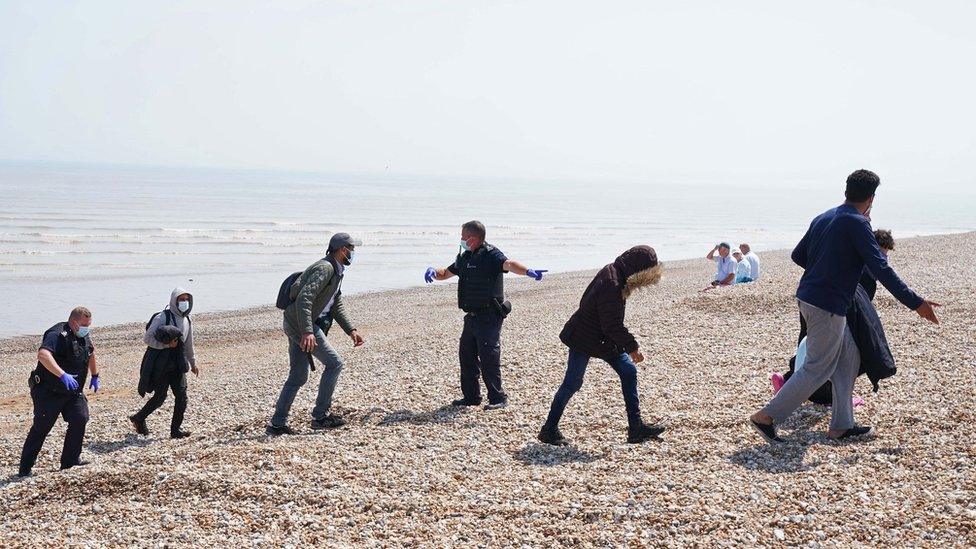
(176,359)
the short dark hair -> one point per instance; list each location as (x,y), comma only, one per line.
(861,185)
(884,238)
(725,245)
(79,312)
(476,228)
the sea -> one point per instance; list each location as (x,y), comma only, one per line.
(118,239)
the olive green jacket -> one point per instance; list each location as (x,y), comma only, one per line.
(311,293)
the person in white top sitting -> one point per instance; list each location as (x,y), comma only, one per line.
(753,260)
(724,265)
(742,270)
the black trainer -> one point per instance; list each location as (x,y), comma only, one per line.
(80,463)
(140,426)
(179,434)
(768,432)
(552,436)
(273,430)
(466,402)
(643,432)
(330,421)
(857,431)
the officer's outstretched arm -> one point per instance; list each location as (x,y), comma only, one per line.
(513,266)
(47,360)
(443,274)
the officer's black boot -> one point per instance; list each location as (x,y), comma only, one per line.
(551,435)
(639,432)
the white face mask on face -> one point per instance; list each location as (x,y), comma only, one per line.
(184,306)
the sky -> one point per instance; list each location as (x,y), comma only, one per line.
(602,91)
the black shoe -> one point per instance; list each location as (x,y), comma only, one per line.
(140,426)
(24,474)
(768,432)
(179,434)
(552,436)
(78,464)
(497,405)
(330,421)
(857,431)
(643,432)
(273,431)
(466,402)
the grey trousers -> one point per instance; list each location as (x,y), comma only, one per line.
(831,354)
(298,376)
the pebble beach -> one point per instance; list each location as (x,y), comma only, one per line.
(411,470)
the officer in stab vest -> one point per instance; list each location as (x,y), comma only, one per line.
(65,359)
(480,268)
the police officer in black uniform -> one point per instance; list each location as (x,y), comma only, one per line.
(480,268)
(65,359)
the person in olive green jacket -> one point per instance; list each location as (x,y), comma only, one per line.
(317,302)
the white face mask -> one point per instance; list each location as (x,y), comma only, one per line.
(184,306)
(83,331)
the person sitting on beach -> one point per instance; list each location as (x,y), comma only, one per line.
(753,260)
(725,265)
(169,336)
(597,330)
(833,253)
(481,268)
(865,324)
(742,271)
(316,302)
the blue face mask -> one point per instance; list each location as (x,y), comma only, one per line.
(83,331)
(352,255)
(184,306)
(464,246)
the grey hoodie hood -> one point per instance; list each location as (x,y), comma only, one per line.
(174,306)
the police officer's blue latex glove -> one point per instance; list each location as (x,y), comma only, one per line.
(70,383)
(430,274)
(536,274)
(94,384)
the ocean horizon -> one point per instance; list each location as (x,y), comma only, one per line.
(118,239)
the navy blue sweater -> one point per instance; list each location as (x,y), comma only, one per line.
(837,247)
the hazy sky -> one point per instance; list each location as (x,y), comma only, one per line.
(595,90)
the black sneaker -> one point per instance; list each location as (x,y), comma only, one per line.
(497,405)
(466,402)
(552,436)
(768,432)
(330,421)
(78,464)
(643,432)
(140,426)
(857,431)
(273,430)
(179,434)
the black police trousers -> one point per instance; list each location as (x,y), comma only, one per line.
(175,380)
(480,355)
(48,405)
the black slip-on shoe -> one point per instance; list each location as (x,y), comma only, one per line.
(856,431)
(78,464)
(643,432)
(179,434)
(140,426)
(24,474)
(552,436)
(466,402)
(273,430)
(330,421)
(768,432)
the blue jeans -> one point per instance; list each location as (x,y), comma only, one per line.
(298,375)
(576,368)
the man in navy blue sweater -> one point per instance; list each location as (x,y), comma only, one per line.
(834,252)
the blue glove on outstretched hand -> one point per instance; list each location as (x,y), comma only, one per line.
(70,383)
(430,274)
(536,274)
(94,384)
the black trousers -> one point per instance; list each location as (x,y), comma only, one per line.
(175,380)
(480,354)
(48,405)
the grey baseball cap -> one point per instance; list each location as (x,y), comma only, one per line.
(340,240)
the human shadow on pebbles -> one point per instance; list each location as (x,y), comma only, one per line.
(444,414)
(783,457)
(109,446)
(544,454)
